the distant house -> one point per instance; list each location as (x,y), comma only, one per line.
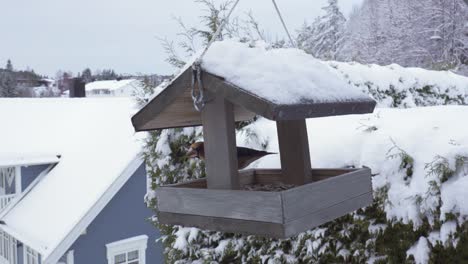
(72,184)
(125,88)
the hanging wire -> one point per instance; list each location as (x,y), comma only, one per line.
(218,32)
(284,24)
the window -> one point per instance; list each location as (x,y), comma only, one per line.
(8,180)
(8,247)
(67,258)
(128,251)
(10,185)
(30,256)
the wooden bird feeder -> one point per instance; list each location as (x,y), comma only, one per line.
(220,201)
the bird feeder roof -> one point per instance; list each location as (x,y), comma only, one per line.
(278,84)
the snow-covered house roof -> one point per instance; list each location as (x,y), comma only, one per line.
(279,84)
(18,159)
(98,153)
(111,85)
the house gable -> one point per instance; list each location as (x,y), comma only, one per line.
(30,173)
(125,216)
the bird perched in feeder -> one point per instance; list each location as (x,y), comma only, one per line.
(245,156)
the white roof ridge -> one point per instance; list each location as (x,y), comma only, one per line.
(27,160)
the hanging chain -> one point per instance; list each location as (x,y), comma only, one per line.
(198,97)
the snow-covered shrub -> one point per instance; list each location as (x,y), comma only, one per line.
(418,157)
(419,165)
(396,86)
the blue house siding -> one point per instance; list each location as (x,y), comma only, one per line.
(30,173)
(123,217)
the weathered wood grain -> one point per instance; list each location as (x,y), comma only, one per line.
(173,107)
(273,214)
(223,224)
(327,214)
(245,205)
(220,147)
(264,176)
(294,151)
(274,111)
(306,199)
(246,177)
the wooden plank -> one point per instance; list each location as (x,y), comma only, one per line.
(273,111)
(315,171)
(306,199)
(263,176)
(327,214)
(294,152)
(238,96)
(313,109)
(245,205)
(173,107)
(141,119)
(268,229)
(198,183)
(181,113)
(220,148)
(268,176)
(223,224)
(246,177)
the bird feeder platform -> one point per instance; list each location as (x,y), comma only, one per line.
(220,202)
(278,214)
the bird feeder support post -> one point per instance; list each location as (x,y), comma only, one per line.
(294,151)
(220,144)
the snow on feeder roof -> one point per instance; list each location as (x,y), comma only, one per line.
(285,85)
(278,84)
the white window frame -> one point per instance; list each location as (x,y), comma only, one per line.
(17,175)
(8,249)
(71,257)
(30,256)
(139,243)
(18,183)
(68,258)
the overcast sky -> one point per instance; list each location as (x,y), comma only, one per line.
(49,35)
